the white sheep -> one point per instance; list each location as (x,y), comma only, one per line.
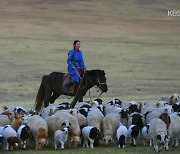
(39,129)
(110,124)
(121,135)
(95,118)
(10,138)
(158,133)
(89,133)
(4,120)
(152,115)
(145,134)
(48,110)
(174,129)
(61,136)
(82,120)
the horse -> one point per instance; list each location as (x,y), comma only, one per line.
(51,87)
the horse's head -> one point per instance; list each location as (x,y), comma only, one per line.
(99,79)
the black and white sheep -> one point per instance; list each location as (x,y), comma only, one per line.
(121,135)
(23,134)
(89,133)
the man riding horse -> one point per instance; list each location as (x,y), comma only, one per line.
(72,84)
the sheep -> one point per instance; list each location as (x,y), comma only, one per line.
(1,129)
(61,136)
(94,119)
(165,117)
(55,122)
(39,129)
(16,122)
(145,134)
(100,101)
(110,124)
(152,115)
(10,138)
(9,114)
(121,135)
(124,116)
(23,134)
(115,102)
(136,119)
(20,110)
(48,110)
(174,99)
(84,111)
(4,120)
(176,107)
(148,107)
(158,133)
(64,106)
(89,133)
(66,124)
(82,120)
(133,133)
(82,104)
(174,129)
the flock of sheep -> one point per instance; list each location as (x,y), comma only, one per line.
(90,123)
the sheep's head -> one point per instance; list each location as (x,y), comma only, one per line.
(42,142)
(173,99)
(66,123)
(163,139)
(107,139)
(18,118)
(73,111)
(13,142)
(75,140)
(65,130)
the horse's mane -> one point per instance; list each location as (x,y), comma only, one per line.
(95,72)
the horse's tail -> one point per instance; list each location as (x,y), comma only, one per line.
(40,95)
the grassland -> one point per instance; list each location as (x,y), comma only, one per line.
(134,41)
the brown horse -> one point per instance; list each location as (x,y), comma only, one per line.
(51,87)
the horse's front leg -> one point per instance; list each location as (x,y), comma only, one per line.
(47,98)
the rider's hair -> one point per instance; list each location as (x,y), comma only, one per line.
(76,41)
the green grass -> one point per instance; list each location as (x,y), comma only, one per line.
(134,41)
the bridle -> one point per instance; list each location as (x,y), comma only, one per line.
(100,83)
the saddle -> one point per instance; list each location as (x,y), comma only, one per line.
(67,79)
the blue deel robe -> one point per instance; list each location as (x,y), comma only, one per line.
(75,59)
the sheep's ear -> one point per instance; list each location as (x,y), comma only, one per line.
(71,112)
(63,124)
(69,124)
(159,137)
(166,137)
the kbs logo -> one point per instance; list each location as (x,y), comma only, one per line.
(173,13)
